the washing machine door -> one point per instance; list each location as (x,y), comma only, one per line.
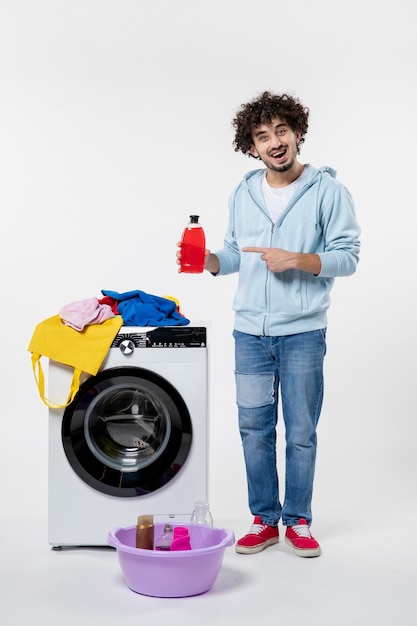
(127,432)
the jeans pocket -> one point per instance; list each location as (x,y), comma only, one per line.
(254,390)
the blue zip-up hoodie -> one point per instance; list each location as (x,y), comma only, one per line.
(320,218)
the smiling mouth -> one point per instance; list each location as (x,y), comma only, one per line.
(278,155)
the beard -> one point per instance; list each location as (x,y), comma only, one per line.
(282,168)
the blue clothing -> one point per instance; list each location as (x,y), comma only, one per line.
(138,308)
(320,218)
(262,364)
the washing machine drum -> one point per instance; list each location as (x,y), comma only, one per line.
(127,432)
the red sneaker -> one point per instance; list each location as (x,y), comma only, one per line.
(301,540)
(259,537)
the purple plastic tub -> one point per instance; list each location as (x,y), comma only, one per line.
(174,574)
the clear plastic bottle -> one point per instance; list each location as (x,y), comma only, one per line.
(201,527)
(202,514)
(164,541)
(193,247)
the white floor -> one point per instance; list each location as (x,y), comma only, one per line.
(365,576)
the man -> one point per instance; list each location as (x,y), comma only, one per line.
(291,231)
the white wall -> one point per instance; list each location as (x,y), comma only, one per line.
(115,125)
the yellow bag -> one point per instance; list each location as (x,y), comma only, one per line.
(83,350)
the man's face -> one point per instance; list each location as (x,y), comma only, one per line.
(275,144)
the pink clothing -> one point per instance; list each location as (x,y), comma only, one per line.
(82,313)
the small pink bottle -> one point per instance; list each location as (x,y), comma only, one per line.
(193,247)
(181,540)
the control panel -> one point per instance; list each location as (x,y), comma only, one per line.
(162,337)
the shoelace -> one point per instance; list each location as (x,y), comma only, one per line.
(302,530)
(256,529)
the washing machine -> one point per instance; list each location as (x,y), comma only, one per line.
(134,440)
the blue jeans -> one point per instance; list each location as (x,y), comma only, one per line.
(293,364)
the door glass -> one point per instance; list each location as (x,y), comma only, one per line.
(127,427)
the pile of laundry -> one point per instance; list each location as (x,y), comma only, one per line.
(136,308)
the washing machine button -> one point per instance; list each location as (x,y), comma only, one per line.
(127,346)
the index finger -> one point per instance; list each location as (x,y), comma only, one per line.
(254,249)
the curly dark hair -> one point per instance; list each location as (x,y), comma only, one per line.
(262,111)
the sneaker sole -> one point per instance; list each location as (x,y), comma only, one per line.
(255,549)
(306,552)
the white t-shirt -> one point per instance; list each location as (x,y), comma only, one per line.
(277,198)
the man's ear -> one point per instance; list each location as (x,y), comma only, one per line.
(253,152)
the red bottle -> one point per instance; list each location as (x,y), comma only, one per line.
(193,247)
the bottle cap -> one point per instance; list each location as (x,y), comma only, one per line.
(145,521)
(180,531)
(201,504)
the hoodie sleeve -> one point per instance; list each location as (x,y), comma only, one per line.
(229,255)
(341,233)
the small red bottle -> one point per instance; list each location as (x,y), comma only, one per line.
(193,247)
